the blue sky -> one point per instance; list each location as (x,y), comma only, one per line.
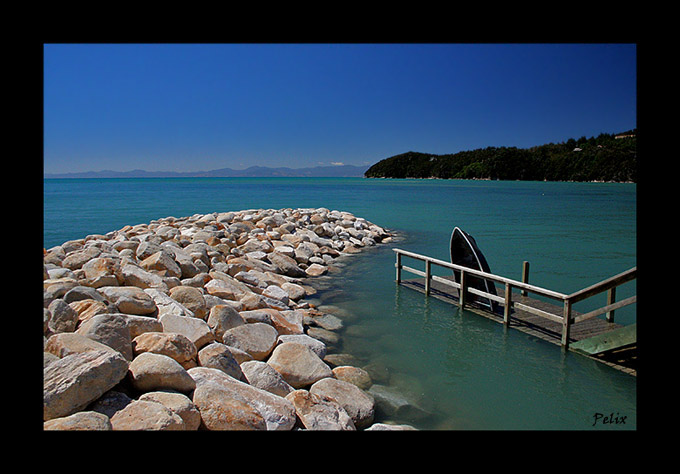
(193,107)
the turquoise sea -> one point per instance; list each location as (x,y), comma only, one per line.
(464,371)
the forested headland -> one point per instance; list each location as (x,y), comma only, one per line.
(607,157)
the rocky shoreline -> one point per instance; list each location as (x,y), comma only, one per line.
(203,323)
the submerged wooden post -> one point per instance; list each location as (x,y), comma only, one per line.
(428,269)
(525,276)
(398,265)
(611,298)
(508,302)
(566,323)
(463,290)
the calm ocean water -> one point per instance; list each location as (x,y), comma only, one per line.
(466,372)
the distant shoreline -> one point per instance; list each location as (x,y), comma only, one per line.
(433,178)
(518,180)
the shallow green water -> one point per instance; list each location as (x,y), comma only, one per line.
(461,370)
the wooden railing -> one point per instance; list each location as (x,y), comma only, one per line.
(565,319)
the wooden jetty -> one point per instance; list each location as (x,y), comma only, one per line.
(600,339)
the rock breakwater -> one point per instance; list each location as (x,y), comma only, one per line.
(202,322)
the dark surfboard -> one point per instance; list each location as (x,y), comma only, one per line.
(466,253)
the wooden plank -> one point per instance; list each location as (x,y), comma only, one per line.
(507,304)
(398,266)
(525,276)
(445,281)
(606,309)
(611,340)
(604,285)
(539,312)
(462,292)
(611,299)
(413,270)
(484,294)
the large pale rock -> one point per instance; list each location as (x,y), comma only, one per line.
(174,345)
(167,305)
(162,263)
(141,324)
(219,411)
(320,413)
(304,251)
(179,404)
(147,248)
(81,292)
(359,405)
(195,329)
(149,372)
(140,278)
(262,315)
(145,415)
(221,289)
(191,298)
(81,421)
(316,269)
(277,412)
(103,271)
(185,263)
(253,301)
(318,347)
(88,308)
(63,317)
(298,364)
(295,292)
(67,343)
(109,329)
(129,299)
(287,265)
(288,321)
(70,383)
(263,376)
(223,317)
(76,259)
(58,287)
(257,339)
(232,286)
(275,292)
(353,375)
(250,278)
(219,356)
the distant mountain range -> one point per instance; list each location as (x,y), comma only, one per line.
(337,171)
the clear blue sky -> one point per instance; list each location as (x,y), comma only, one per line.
(193,107)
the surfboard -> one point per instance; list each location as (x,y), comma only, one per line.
(466,253)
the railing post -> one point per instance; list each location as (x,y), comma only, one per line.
(428,270)
(611,298)
(525,276)
(463,290)
(508,302)
(566,323)
(398,265)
